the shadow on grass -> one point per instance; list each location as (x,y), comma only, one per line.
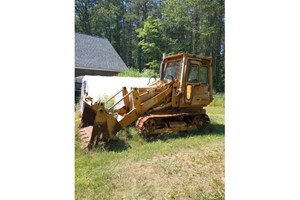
(215,129)
(212,129)
(117,145)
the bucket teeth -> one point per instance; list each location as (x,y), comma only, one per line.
(91,136)
(85,135)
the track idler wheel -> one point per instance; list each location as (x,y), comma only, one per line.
(149,126)
(201,121)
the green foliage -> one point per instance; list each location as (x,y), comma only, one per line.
(220,79)
(131,72)
(142,30)
(150,73)
(154,65)
(219,100)
(103,98)
(149,35)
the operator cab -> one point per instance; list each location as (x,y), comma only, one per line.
(194,74)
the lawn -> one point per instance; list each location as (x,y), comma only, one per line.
(174,166)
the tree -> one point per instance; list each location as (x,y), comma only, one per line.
(82,15)
(149,35)
(141,30)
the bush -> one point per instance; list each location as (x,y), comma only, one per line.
(104,98)
(149,73)
(131,72)
(219,100)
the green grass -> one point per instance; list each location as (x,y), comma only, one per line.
(173,166)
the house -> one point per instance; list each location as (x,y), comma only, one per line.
(96,56)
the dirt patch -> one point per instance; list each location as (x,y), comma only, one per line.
(184,174)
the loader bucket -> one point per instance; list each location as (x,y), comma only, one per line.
(97,125)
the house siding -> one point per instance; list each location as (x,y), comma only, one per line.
(82,72)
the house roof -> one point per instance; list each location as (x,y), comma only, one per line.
(96,53)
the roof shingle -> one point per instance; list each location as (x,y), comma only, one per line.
(96,53)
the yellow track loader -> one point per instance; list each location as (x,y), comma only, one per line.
(173,103)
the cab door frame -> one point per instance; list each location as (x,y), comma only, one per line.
(191,79)
(197,87)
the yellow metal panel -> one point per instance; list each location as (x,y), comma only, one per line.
(188,92)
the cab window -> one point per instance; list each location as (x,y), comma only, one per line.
(203,75)
(193,76)
(173,70)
